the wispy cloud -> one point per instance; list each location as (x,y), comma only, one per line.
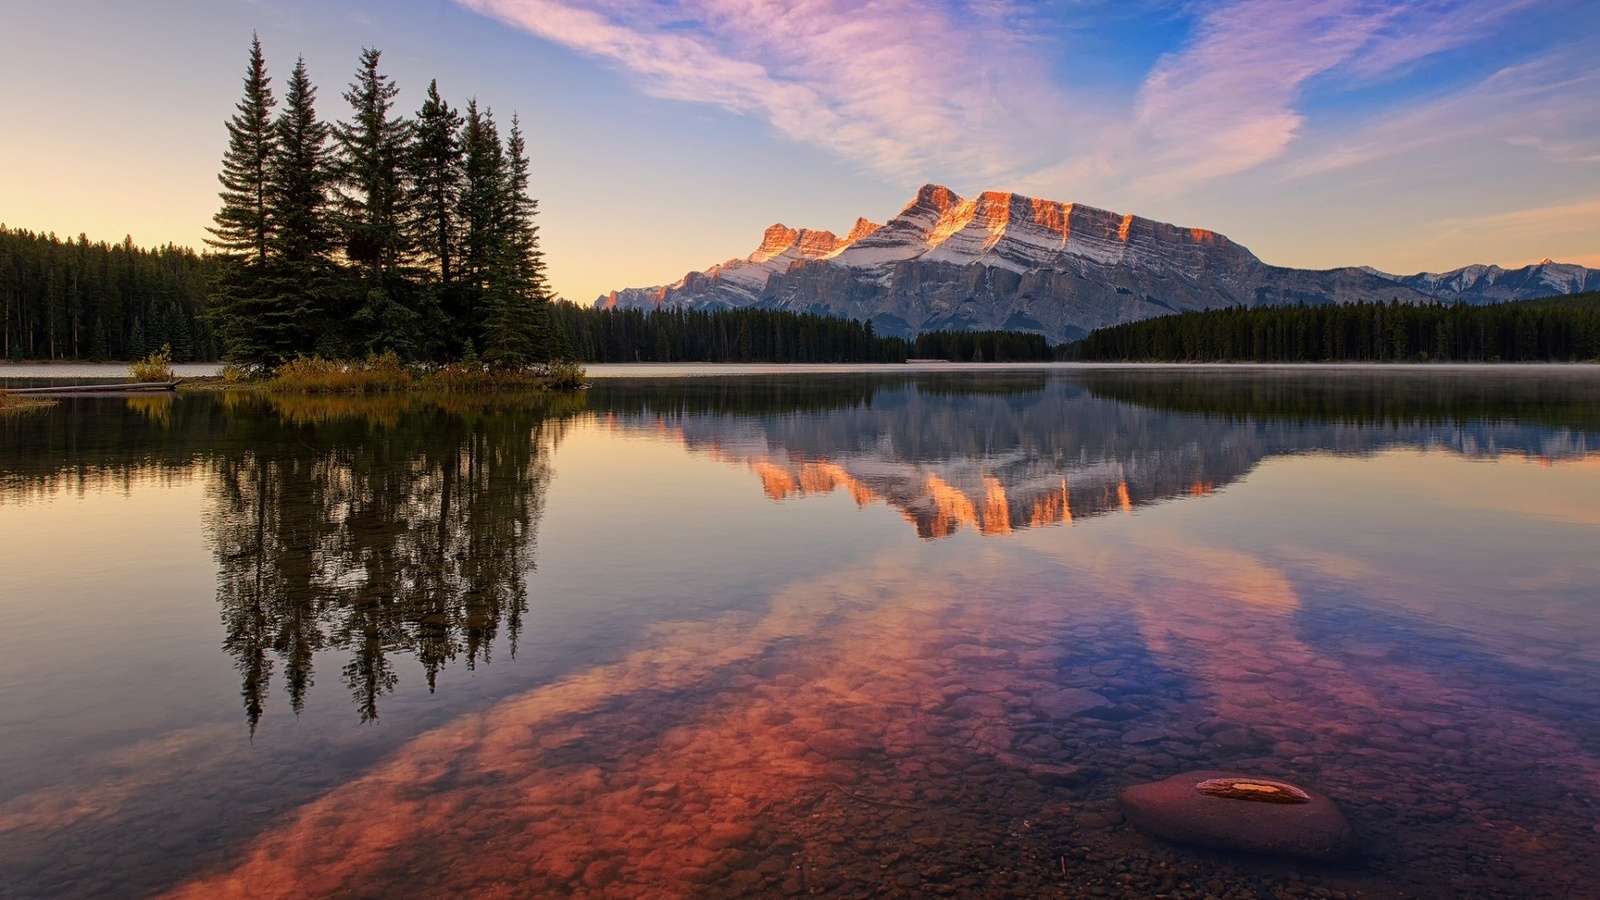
(1540,221)
(1228,100)
(905,87)
(968,91)
(1550,105)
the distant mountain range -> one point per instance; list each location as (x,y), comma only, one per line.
(1004,261)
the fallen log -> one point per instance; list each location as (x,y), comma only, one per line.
(138,387)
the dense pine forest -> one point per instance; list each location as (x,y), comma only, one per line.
(758,335)
(1555,329)
(745,335)
(982,346)
(379,233)
(73,299)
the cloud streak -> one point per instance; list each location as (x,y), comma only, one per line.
(899,86)
(1550,106)
(965,90)
(1229,99)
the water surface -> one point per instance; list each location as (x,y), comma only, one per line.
(865,634)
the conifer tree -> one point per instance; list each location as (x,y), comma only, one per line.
(242,226)
(516,328)
(300,300)
(436,161)
(481,204)
(436,173)
(373,209)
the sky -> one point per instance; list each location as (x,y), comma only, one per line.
(665,135)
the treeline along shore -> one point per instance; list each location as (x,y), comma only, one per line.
(760,335)
(1554,329)
(82,300)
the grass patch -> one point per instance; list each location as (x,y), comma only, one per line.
(386,374)
(11,404)
(314,375)
(473,378)
(386,410)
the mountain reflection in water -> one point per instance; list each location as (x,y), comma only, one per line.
(998,455)
(822,635)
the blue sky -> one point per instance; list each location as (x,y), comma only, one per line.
(667,134)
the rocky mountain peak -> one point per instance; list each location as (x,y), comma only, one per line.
(934,197)
(805,243)
(1006,261)
(775,240)
(862,228)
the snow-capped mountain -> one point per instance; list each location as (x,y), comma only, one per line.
(1001,260)
(1484,284)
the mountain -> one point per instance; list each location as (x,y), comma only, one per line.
(1004,261)
(1490,284)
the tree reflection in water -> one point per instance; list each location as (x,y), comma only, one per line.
(375,529)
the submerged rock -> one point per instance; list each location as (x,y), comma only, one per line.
(1057,776)
(1069,702)
(1230,811)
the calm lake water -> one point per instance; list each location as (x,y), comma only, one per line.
(857,635)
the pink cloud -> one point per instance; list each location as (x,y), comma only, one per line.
(908,88)
(963,90)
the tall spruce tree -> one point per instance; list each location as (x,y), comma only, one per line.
(516,327)
(301,303)
(374,209)
(481,211)
(242,227)
(436,173)
(436,162)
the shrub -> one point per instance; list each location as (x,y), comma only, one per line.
(235,374)
(564,375)
(465,377)
(315,375)
(155,367)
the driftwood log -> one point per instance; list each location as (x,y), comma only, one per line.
(139,387)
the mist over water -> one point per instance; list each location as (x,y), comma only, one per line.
(857,634)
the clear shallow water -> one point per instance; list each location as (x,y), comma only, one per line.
(801,634)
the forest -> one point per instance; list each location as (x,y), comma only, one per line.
(744,335)
(759,335)
(74,299)
(1555,329)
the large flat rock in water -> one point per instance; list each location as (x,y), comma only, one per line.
(1231,811)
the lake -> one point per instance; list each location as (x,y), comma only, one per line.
(868,632)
